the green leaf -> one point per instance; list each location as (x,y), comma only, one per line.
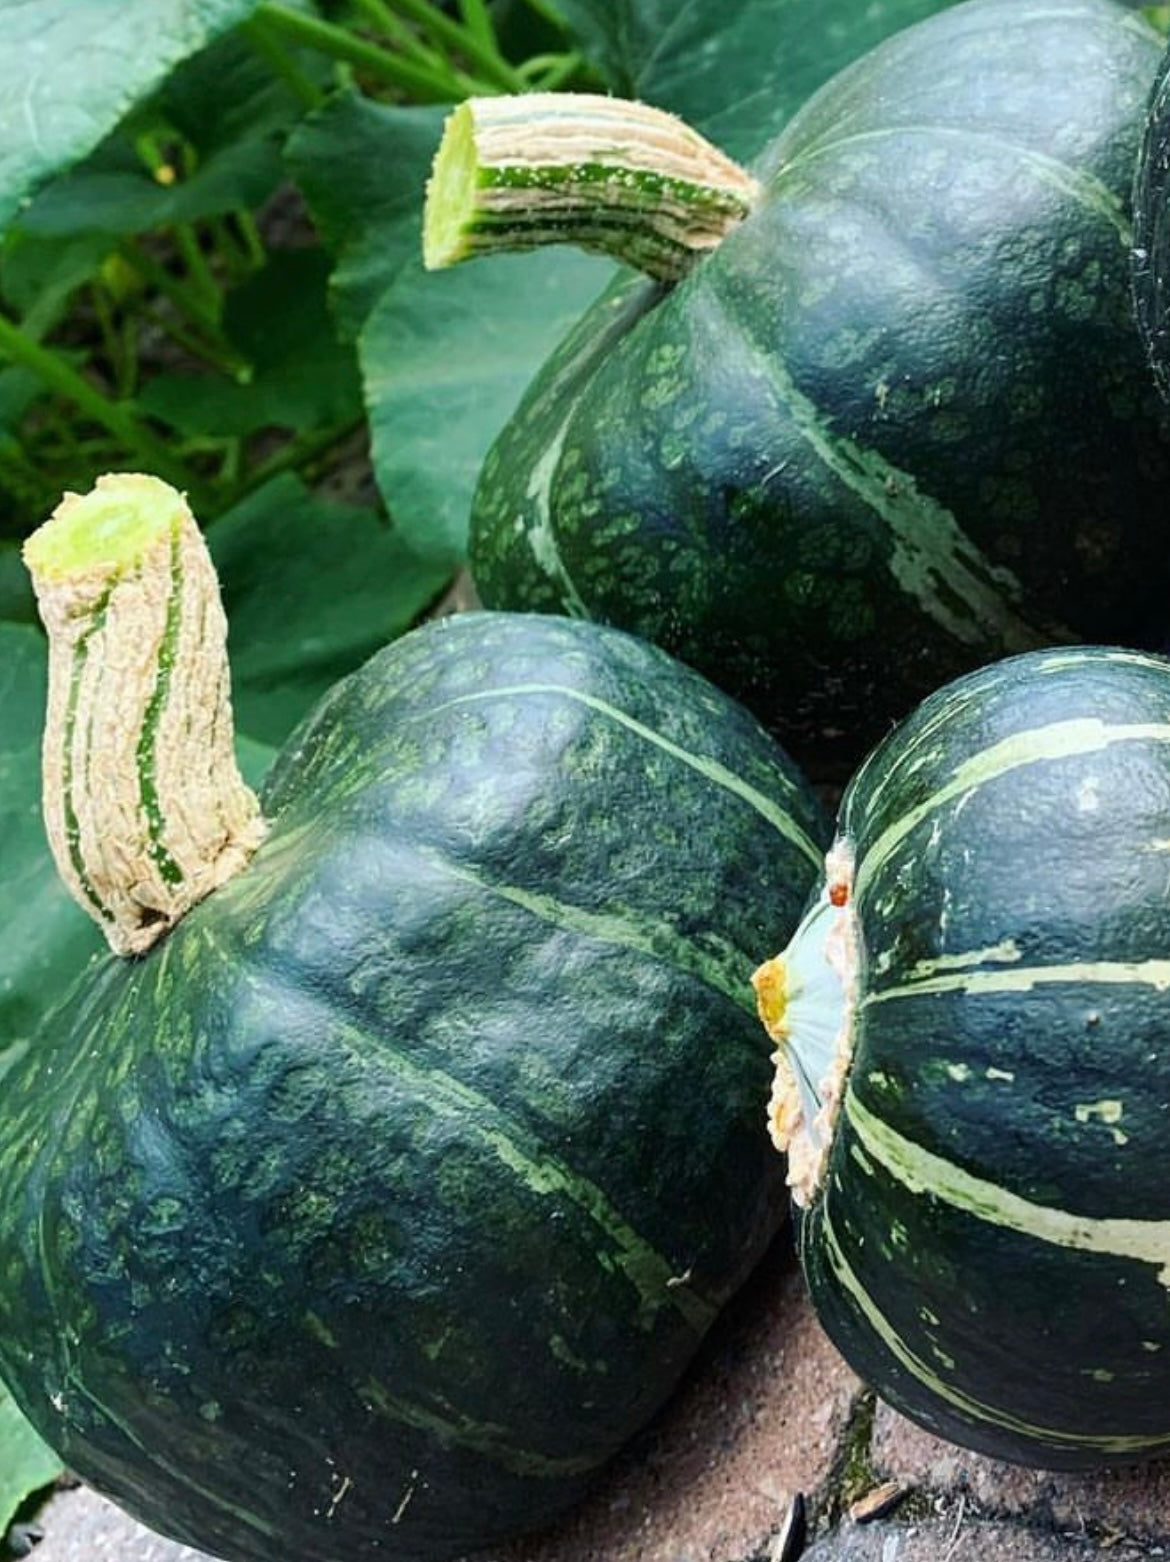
(232,115)
(737,71)
(303,376)
(112,200)
(445,359)
(312,589)
(26,1463)
(229,93)
(19,388)
(39,276)
(17,604)
(362,168)
(45,939)
(71,69)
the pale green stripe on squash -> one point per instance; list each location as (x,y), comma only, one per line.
(480,1437)
(480,1117)
(928,546)
(710,769)
(973,1409)
(1023,978)
(921,1171)
(1058,740)
(655,938)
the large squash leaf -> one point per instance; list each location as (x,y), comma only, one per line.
(26,1464)
(445,360)
(312,588)
(362,166)
(44,938)
(446,357)
(70,70)
(738,71)
(231,112)
(302,375)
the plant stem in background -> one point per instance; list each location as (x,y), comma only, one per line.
(190,304)
(477,21)
(549,72)
(423,83)
(293,456)
(461,40)
(58,375)
(382,18)
(268,46)
(119,352)
(199,272)
(252,238)
(547,13)
(197,329)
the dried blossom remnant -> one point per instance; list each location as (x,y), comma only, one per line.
(806,998)
(145,808)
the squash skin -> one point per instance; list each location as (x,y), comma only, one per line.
(371,1212)
(898,424)
(1008,1093)
(1151,218)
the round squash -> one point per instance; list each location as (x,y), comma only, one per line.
(373,1206)
(973,1074)
(1151,220)
(896,423)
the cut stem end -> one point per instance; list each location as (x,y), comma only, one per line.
(145,808)
(606,174)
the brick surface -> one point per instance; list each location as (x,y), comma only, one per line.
(954,1536)
(1111,1504)
(80,1526)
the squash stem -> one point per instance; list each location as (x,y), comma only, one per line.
(806,1001)
(145,808)
(603,173)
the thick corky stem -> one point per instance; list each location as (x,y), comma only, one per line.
(145,808)
(603,173)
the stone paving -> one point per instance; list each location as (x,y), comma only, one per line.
(769,1419)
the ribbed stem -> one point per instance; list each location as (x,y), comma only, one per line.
(576,168)
(806,998)
(145,808)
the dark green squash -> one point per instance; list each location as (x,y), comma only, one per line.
(370,1210)
(974,1065)
(1151,239)
(897,423)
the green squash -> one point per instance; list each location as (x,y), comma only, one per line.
(973,1076)
(1151,219)
(892,426)
(373,1207)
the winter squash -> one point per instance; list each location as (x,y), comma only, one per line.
(973,1066)
(383,1182)
(879,412)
